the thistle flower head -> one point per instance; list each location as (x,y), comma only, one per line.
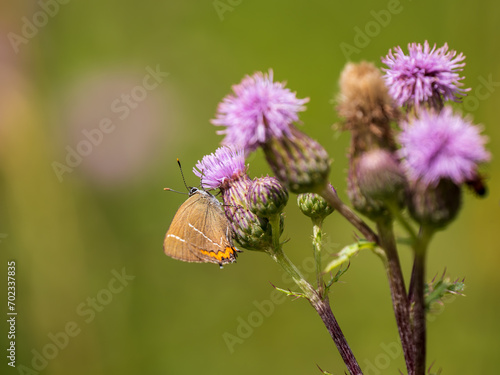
(424,75)
(363,94)
(216,169)
(367,108)
(442,146)
(258,110)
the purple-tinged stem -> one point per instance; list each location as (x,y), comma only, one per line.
(322,306)
(400,302)
(333,200)
(417,298)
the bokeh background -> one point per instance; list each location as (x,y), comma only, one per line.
(70,234)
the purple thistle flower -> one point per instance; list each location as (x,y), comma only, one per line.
(442,146)
(258,110)
(425,75)
(217,169)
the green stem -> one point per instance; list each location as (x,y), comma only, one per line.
(317,247)
(279,257)
(275,222)
(397,213)
(398,290)
(417,297)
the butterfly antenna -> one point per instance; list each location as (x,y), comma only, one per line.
(175,191)
(182,174)
(201,180)
(183,179)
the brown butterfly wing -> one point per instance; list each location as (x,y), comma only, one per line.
(212,234)
(200,232)
(175,244)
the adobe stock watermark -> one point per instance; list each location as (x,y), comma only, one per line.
(87,310)
(393,350)
(246,326)
(379,21)
(31,26)
(223,6)
(122,106)
(481,92)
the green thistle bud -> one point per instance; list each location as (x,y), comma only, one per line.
(298,161)
(267,197)
(435,206)
(314,206)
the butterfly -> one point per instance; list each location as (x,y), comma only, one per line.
(200,231)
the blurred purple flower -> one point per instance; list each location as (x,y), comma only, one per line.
(443,145)
(425,75)
(258,110)
(218,168)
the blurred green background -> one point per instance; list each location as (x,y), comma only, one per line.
(108,214)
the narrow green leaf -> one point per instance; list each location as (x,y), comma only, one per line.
(289,292)
(348,252)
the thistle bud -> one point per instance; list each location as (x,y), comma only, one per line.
(435,206)
(368,206)
(267,197)
(380,177)
(298,161)
(314,206)
(251,231)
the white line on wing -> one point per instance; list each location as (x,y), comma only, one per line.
(203,234)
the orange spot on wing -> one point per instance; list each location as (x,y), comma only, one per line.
(219,255)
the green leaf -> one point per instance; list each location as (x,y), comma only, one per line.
(337,276)
(289,292)
(435,291)
(348,252)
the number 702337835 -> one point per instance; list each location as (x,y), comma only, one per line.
(11,285)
